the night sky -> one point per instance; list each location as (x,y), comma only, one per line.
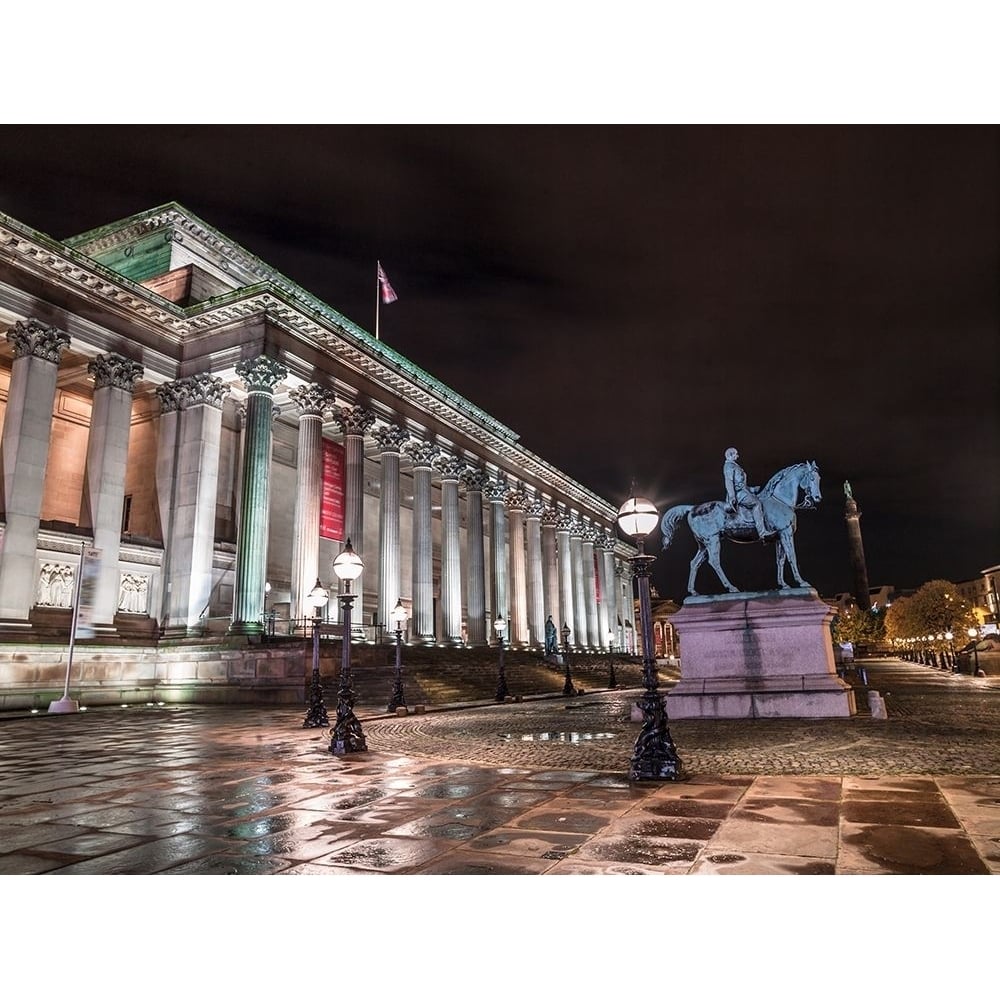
(634,300)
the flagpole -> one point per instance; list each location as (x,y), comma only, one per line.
(378,294)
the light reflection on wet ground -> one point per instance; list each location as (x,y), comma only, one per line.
(217,791)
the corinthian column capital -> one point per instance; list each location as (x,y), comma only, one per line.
(515,499)
(474,480)
(115,371)
(422,454)
(30,338)
(565,522)
(261,374)
(354,420)
(449,467)
(496,490)
(390,438)
(535,510)
(193,390)
(312,400)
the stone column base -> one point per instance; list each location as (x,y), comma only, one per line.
(767,654)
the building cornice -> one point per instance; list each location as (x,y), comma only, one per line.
(282,303)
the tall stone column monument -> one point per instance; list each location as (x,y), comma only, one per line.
(857,549)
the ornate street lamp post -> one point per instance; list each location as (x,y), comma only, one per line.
(502,692)
(568,688)
(655,756)
(612,680)
(973,634)
(316,716)
(398,616)
(949,637)
(346,735)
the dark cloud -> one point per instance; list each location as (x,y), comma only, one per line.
(634,300)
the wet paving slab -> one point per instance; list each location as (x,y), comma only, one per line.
(662,853)
(211,791)
(902,850)
(466,862)
(796,839)
(722,863)
(387,854)
(529,843)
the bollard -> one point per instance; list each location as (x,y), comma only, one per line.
(876,705)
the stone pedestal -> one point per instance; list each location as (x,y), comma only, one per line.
(766,654)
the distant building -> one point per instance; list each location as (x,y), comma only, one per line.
(878,598)
(981,593)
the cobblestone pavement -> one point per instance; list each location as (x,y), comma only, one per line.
(508,790)
(939,723)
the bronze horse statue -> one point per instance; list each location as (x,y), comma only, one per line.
(712,521)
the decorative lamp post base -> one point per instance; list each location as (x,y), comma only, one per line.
(655,756)
(568,688)
(347,735)
(316,716)
(398,699)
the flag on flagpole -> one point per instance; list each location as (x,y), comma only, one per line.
(388,295)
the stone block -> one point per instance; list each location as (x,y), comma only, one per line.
(402,710)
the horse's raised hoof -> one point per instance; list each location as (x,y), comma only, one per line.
(732,590)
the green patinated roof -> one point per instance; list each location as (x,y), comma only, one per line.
(150,251)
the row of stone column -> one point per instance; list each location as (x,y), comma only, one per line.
(24,451)
(547,569)
(523,572)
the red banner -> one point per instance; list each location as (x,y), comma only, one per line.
(331,512)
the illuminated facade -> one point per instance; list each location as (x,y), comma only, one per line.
(210,434)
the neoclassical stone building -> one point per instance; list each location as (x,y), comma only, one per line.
(202,435)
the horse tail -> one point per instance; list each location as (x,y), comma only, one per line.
(669,521)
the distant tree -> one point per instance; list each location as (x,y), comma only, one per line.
(859,627)
(934,610)
(900,622)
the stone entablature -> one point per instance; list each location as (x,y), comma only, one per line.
(279,301)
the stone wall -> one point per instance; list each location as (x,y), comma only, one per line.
(230,671)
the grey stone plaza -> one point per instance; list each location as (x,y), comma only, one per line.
(536,787)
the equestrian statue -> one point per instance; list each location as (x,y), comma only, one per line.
(748,514)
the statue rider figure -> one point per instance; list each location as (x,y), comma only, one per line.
(738,494)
